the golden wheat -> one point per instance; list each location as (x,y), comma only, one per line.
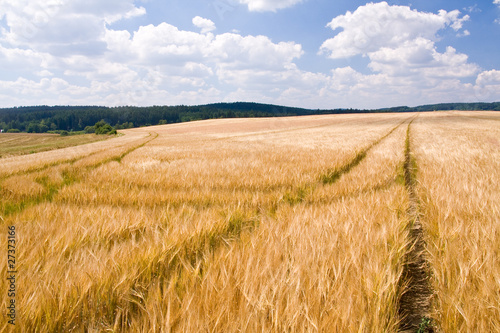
(458,161)
(282,224)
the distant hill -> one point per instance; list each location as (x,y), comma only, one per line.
(447,107)
(40,119)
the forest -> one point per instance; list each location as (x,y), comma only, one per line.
(43,119)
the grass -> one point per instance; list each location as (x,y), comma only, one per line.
(77,155)
(14,144)
(225,225)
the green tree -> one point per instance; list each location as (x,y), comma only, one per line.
(42,127)
(33,127)
(102,127)
(89,129)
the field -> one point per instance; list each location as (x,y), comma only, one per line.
(335,223)
(12,144)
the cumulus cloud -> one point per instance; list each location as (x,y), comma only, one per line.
(204,24)
(400,44)
(378,25)
(487,86)
(45,91)
(72,54)
(188,59)
(72,45)
(269,5)
(62,24)
(420,57)
(166,44)
(21,58)
(235,50)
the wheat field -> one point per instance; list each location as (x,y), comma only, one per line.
(297,224)
(13,144)
(458,155)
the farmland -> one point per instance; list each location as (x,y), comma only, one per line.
(12,144)
(331,223)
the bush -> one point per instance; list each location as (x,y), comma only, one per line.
(105,129)
(13,130)
(64,133)
(102,127)
(89,129)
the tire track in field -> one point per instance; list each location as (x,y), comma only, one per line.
(69,177)
(333,175)
(59,162)
(185,256)
(190,255)
(415,301)
(270,131)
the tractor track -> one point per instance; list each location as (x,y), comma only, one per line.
(331,176)
(416,293)
(70,178)
(63,161)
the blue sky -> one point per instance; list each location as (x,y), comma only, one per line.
(306,53)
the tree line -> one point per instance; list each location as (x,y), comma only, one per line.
(42,119)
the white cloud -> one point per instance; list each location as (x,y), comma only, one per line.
(419,57)
(269,5)
(187,59)
(400,45)
(46,91)
(204,24)
(44,73)
(491,77)
(236,51)
(487,88)
(134,12)
(497,2)
(73,55)
(55,24)
(72,48)
(458,22)
(166,44)
(473,9)
(378,25)
(15,57)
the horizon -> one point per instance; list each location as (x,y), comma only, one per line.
(259,103)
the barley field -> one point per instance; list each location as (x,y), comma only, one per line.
(13,144)
(298,224)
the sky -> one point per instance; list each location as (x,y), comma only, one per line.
(305,53)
